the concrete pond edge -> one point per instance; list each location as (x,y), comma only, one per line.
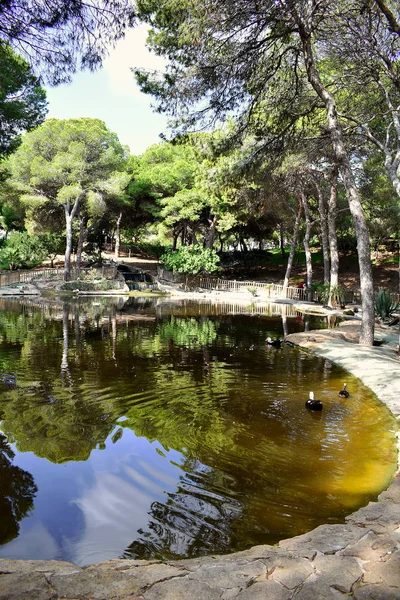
(358,559)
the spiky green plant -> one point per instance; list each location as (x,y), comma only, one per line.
(385,306)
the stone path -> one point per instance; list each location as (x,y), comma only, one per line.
(359,559)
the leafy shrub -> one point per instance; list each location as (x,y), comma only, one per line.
(385,306)
(191,260)
(21,251)
(324,291)
(252,290)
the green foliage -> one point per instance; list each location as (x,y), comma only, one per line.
(325,293)
(191,260)
(23,103)
(252,290)
(10,218)
(385,306)
(63,159)
(190,333)
(52,243)
(17,491)
(75,164)
(21,251)
(322,291)
(337,296)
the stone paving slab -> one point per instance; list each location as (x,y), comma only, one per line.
(358,560)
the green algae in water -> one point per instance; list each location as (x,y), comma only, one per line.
(169,430)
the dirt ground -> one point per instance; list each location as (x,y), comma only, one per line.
(385,275)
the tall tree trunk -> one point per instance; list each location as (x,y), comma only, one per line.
(281,239)
(175,236)
(64,358)
(285,326)
(306,208)
(324,231)
(209,238)
(343,161)
(292,249)
(118,235)
(221,242)
(333,244)
(79,249)
(69,217)
(243,245)
(114,336)
(68,246)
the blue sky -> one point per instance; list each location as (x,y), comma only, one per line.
(112,95)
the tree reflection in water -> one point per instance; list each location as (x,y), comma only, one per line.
(17,490)
(126,396)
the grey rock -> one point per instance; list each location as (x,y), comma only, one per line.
(292,572)
(372,547)
(327,539)
(265,590)
(40,566)
(392,494)
(226,576)
(318,590)
(388,571)
(104,582)
(25,586)
(374,592)
(182,589)
(339,572)
(94,584)
(377,516)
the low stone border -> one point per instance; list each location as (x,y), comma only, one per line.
(359,559)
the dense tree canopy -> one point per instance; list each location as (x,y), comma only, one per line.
(22,100)
(57,36)
(73,164)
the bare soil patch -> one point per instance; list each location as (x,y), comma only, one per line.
(385,275)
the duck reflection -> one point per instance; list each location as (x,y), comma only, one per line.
(17,490)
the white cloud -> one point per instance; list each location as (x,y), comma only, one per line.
(130,52)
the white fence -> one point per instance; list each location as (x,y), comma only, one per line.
(12,277)
(262,288)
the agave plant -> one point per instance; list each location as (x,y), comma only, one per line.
(385,306)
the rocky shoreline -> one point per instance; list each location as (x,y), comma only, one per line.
(359,559)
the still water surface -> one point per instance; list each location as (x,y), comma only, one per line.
(170,429)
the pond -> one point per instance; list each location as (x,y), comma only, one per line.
(157,428)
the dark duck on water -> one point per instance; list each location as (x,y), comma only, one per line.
(274,343)
(344,393)
(312,404)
